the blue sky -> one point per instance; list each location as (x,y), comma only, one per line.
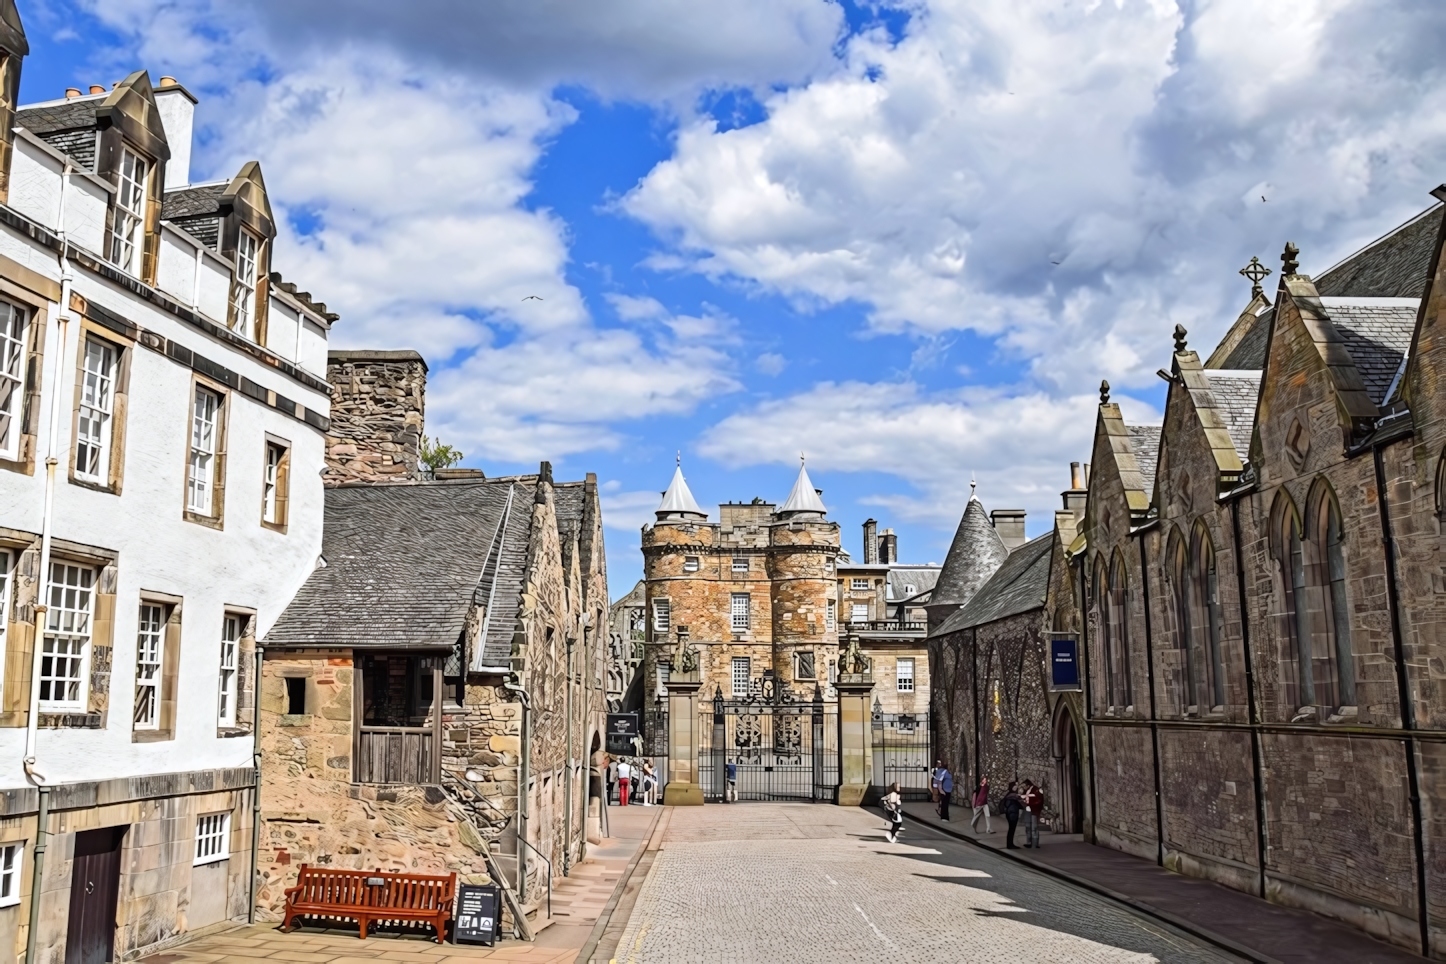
(906,238)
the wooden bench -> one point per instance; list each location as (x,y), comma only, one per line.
(371,896)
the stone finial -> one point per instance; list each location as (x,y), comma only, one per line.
(1180,334)
(1289,260)
(1104,392)
(1256,273)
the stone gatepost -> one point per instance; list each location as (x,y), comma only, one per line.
(683,789)
(855,736)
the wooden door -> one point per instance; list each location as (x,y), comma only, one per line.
(94,886)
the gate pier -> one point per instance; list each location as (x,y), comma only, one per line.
(855,732)
(683,741)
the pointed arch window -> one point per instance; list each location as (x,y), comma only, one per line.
(1100,600)
(1317,666)
(1117,635)
(1205,618)
(1180,596)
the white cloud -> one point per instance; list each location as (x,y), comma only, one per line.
(939,179)
(770,363)
(1018,445)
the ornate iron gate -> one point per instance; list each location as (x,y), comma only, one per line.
(780,747)
(903,754)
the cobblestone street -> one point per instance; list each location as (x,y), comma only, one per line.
(781,883)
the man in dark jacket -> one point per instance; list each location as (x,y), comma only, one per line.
(944,783)
(1011,806)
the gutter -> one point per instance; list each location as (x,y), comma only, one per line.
(1256,764)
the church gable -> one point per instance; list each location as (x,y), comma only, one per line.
(1119,493)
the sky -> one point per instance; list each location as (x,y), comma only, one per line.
(906,239)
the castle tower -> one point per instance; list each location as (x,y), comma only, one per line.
(804,548)
(977,550)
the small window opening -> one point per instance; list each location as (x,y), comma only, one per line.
(295,695)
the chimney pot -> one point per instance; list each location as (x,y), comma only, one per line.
(97,89)
(1076,476)
(72,92)
(167,81)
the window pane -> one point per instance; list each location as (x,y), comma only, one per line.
(128,219)
(64,649)
(12,378)
(93,421)
(740,676)
(905,674)
(740,605)
(148,666)
(199,483)
(230,642)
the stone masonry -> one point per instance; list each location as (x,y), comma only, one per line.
(377,406)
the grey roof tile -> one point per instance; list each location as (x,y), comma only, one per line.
(1377,333)
(1145,440)
(51,118)
(193,202)
(921,578)
(1250,353)
(1018,586)
(404,563)
(973,556)
(1395,265)
(1235,395)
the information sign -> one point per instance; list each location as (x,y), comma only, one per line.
(622,734)
(1064,662)
(478,914)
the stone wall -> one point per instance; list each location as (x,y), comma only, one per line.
(377,406)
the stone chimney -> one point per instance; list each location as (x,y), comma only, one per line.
(177,107)
(1075,496)
(871,541)
(1009,523)
(888,547)
(377,404)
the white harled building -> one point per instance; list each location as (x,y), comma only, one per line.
(163,409)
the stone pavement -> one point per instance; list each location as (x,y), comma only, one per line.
(1258,929)
(782,883)
(579,903)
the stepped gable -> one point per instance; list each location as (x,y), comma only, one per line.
(1017,586)
(405,563)
(974,555)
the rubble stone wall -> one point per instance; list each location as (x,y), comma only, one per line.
(378,402)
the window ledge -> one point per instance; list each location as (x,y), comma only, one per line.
(295,719)
(1344,716)
(68,720)
(274,526)
(93,486)
(210,521)
(152,736)
(231,732)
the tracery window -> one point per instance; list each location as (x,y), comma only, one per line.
(1205,619)
(1121,692)
(1316,617)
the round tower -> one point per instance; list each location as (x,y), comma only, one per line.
(802,554)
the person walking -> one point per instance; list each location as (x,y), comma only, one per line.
(637,777)
(943,787)
(894,809)
(731,794)
(649,783)
(1011,805)
(625,773)
(610,774)
(980,801)
(1033,810)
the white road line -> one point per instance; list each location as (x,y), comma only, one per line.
(830,880)
(877,933)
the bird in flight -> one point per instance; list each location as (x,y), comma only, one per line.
(1054,262)
(532,298)
(1262,199)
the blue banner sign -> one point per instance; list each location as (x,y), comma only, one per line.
(1064,662)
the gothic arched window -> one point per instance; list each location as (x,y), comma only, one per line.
(1121,692)
(1100,598)
(1205,618)
(1333,666)
(1179,559)
(1295,676)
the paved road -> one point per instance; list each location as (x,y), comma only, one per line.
(782,883)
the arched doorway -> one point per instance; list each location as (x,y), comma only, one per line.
(1068,770)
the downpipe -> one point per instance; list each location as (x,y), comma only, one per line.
(256,790)
(571,771)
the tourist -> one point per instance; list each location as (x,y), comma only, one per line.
(943,787)
(625,772)
(731,795)
(636,775)
(980,802)
(610,776)
(649,782)
(1033,810)
(1010,806)
(894,809)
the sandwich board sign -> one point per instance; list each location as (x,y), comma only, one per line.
(478,915)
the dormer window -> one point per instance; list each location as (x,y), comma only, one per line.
(243,299)
(127,233)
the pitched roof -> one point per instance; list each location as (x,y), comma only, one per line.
(678,500)
(1235,395)
(193,202)
(803,497)
(922,578)
(1377,334)
(1395,265)
(405,563)
(1145,440)
(1018,586)
(65,115)
(974,555)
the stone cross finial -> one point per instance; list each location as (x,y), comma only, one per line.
(1104,393)
(1180,334)
(1288,258)
(1256,273)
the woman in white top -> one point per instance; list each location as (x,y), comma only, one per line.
(894,809)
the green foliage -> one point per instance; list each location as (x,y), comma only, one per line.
(436,454)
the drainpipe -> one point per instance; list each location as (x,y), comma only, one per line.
(1255,761)
(32,716)
(1154,725)
(570,771)
(1408,708)
(524,774)
(256,790)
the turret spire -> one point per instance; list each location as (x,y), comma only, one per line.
(678,503)
(804,498)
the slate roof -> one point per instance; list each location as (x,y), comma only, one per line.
(1016,587)
(1235,395)
(1377,333)
(63,116)
(974,555)
(193,202)
(803,497)
(404,563)
(1250,353)
(1395,265)
(922,578)
(1145,440)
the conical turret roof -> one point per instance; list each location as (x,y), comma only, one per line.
(974,555)
(678,502)
(804,497)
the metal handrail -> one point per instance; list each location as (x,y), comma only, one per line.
(505,825)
